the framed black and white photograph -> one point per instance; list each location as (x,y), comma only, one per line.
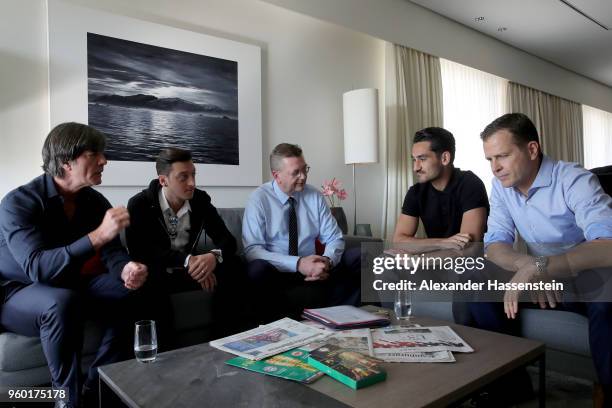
(148,86)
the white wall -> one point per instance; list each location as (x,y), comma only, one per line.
(403,22)
(24,114)
(307,65)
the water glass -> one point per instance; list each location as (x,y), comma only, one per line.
(403,305)
(145,341)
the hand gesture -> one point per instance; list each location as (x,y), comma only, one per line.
(209,283)
(134,275)
(314,267)
(457,241)
(114,221)
(201,266)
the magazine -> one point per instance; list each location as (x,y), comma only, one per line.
(359,340)
(397,343)
(291,365)
(270,339)
(345,317)
(353,369)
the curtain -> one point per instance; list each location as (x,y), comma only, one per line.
(413,101)
(472,100)
(558,120)
(597,137)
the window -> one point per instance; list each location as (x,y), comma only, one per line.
(597,133)
(472,99)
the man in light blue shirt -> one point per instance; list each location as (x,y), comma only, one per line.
(565,218)
(282,221)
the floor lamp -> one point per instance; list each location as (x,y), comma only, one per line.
(360,113)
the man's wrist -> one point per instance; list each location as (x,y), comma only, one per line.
(218,254)
(541,263)
(329,260)
(297,264)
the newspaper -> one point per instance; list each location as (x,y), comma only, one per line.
(415,356)
(359,340)
(400,344)
(270,339)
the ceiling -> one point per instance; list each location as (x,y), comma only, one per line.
(549,29)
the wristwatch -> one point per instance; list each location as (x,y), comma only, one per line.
(218,255)
(540,263)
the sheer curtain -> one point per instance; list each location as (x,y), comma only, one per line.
(597,125)
(413,101)
(472,100)
(558,120)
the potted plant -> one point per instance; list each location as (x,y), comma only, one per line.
(333,191)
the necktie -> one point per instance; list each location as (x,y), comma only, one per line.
(293,228)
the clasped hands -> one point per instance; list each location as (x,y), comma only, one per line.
(314,267)
(201,269)
(134,275)
(527,271)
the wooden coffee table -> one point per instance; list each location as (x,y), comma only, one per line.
(197,376)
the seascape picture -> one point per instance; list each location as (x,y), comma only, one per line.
(145,98)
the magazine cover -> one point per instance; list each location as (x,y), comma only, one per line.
(353,369)
(291,365)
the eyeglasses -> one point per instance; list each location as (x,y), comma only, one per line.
(172,229)
(297,172)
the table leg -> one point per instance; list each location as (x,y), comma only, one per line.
(542,381)
(106,396)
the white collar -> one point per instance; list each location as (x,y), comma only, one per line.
(163,202)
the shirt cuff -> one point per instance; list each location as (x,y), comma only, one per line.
(81,248)
(496,237)
(186,263)
(598,231)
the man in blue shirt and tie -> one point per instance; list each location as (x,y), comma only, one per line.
(564,216)
(282,220)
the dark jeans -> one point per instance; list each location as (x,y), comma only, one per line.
(278,294)
(56,315)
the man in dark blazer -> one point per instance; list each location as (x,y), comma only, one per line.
(169,218)
(61,260)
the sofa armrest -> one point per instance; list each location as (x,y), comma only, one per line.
(354,241)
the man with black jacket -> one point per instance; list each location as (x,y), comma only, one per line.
(167,221)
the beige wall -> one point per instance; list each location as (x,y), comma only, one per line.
(306,66)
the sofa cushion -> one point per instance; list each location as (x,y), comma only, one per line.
(561,330)
(20,352)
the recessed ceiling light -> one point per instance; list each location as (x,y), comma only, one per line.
(501,29)
(479,19)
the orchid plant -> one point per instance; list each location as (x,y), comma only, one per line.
(332,190)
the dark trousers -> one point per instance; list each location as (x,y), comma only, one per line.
(230,310)
(278,294)
(56,315)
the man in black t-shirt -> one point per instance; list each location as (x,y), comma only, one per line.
(452,204)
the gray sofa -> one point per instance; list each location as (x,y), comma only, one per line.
(22,362)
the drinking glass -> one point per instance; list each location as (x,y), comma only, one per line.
(403,305)
(145,341)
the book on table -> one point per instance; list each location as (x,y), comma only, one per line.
(345,317)
(352,369)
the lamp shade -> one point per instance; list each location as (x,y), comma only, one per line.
(360,108)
